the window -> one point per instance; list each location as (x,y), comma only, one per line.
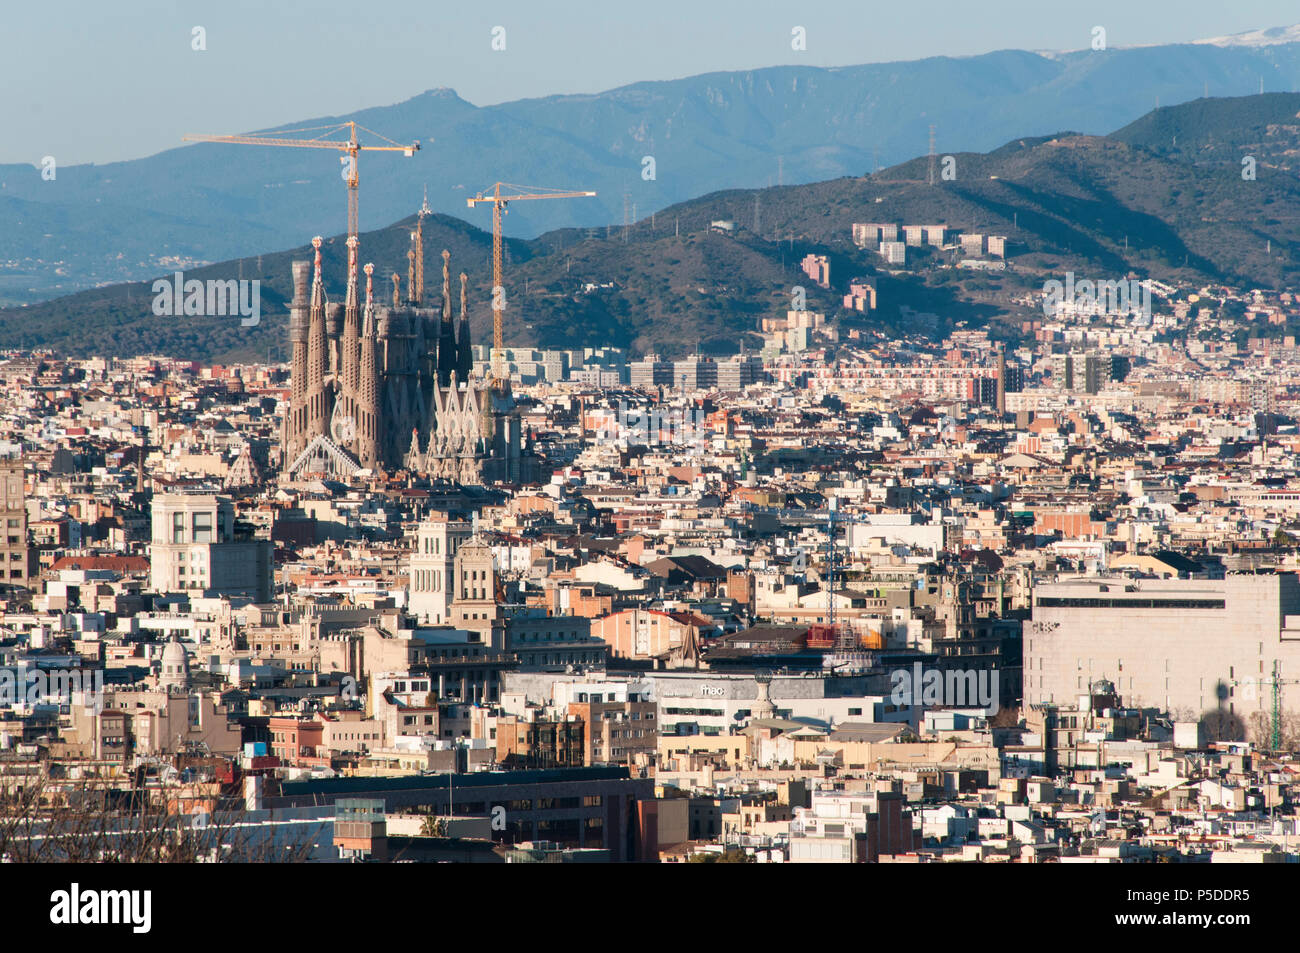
(178,527)
(203,527)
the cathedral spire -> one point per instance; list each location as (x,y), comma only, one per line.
(367,423)
(350,362)
(410,274)
(317,353)
(417,238)
(351,299)
(446,333)
(464,354)
(413,461)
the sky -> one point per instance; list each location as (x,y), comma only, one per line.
(97,81)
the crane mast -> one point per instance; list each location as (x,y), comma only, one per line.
(499,203)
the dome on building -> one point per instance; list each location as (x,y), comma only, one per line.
(175,674)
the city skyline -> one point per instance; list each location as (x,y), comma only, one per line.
(823,465)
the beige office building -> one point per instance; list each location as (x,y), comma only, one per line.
(432,568)
(1181,645)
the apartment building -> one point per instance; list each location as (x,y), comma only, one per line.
(17,558)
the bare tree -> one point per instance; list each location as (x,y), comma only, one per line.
(49,820)
(1260,728)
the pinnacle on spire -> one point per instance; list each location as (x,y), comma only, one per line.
(351,300)
(446,283)
(316,283)
(370,287)
(412,460)
(397,293)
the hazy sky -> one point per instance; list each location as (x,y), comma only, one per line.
(102,80)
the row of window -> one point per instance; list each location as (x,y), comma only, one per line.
(432,546)
(427,580)
(559,659)
(201,527)
(1054,602)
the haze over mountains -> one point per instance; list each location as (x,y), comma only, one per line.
(1162,197)
(207,202)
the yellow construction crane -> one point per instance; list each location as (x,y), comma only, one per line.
(499,202)
(351,147)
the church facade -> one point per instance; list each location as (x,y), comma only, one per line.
(390,387)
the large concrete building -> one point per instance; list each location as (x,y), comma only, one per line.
(1189,646)
(196,546)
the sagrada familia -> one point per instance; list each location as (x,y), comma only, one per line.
(392,388)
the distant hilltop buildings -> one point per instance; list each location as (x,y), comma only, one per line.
(818,268)
(884,237)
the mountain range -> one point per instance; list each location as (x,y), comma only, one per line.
(1162,197)
(95,224)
